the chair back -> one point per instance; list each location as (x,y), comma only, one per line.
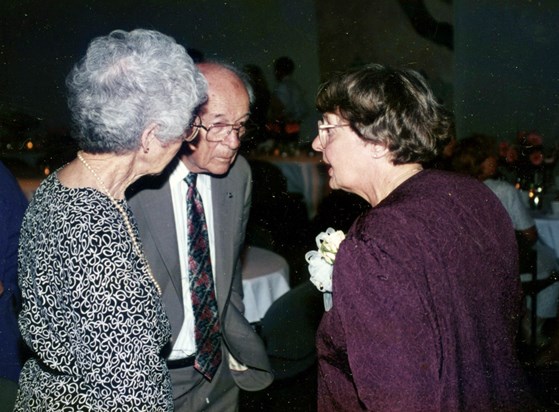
(289,330)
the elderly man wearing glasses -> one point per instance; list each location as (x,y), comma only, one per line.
(192,219)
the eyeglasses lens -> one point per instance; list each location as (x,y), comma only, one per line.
(218,132)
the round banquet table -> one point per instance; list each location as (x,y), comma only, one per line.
(548,231)
(547,247)
(265,279)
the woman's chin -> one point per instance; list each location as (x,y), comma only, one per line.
(332,183)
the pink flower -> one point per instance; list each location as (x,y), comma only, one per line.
(511,155)
(534,139)
(503,149)
(530,138)
(536,158)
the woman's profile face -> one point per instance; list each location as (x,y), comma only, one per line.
(344,152)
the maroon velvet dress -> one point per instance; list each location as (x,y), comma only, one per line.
(426,303)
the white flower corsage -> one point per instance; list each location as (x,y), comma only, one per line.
(321,261)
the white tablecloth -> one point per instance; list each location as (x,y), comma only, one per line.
(548,231)
(265,279)
(548,254)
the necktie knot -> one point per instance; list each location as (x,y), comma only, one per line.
(190,179)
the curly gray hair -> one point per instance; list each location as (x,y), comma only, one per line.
(128,81)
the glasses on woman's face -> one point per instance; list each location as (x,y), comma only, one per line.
(326,131)
(218,132)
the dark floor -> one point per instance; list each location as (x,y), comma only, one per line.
(545,386)
(299,394)
(543,377)
(291,395)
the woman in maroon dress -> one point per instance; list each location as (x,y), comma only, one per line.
(426,293)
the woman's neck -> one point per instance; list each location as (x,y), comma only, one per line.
(394,176)
(109,173)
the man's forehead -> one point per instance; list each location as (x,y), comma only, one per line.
(226,103)
(223,117)
(228,98)
(216,74)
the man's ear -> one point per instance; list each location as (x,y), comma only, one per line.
(148,136)
(192,147)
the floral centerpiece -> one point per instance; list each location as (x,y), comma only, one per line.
(526,164)
(321,262)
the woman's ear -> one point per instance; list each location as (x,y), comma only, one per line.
(377,150)
(148,137)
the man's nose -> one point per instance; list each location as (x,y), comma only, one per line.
(233,139)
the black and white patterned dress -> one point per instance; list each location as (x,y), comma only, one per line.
(91,313)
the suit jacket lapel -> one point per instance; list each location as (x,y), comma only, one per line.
(164,236)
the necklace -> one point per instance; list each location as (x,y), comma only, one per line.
(127,223)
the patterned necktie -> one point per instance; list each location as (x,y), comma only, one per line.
(204,303)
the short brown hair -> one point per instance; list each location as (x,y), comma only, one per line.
(392,107)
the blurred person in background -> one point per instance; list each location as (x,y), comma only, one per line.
(259,108)
(12,207)
(476,156)
(287,105)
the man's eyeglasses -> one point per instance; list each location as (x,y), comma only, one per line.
(218,132)
(191,134)
(326,131)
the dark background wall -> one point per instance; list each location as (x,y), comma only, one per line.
(41,40)
(507,67)
(500,76)
(361,31)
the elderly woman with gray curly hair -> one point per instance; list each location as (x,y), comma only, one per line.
(92,313)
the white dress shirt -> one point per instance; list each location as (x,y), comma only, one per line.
(512,202)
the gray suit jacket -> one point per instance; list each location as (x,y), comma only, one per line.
(151,203)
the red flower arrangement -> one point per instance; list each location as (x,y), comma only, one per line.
(526,160)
